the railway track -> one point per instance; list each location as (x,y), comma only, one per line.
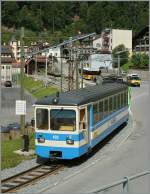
(27,177)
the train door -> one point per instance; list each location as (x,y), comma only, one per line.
(83,123)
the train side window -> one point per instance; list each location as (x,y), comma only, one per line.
(82,119)
(101,109)
(118,101)
(95,113)
(105,107)
(127,97)
(42,119)
(122,100)
(110,104)
(115,102)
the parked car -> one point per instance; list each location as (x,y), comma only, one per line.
(4,129)
(8,84)
(13,126)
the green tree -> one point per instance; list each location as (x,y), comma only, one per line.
(124,56)
(10,14)
(140,60)
(59,16)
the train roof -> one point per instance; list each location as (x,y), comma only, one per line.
(84,95)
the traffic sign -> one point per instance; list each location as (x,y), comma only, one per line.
(20,107)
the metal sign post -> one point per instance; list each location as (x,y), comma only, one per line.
(25,138)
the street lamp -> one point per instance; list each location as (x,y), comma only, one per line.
(46,70)
(118,53)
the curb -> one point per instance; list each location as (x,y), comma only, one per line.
(126,132)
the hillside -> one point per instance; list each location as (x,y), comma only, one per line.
(54,21)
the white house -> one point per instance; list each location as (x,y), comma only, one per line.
(97,61)
(55,52)
(9,66)
(110,38)
(16,49)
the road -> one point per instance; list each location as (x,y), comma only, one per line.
(131,158)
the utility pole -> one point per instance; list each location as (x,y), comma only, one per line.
(36,64)
(118,65)
(118,53)
(25,138)
(77,75)
(82,74)
(46,71)
(61,66)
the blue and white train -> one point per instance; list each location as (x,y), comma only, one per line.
(70,124)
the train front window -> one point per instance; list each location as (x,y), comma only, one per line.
(42,118)
(62,120)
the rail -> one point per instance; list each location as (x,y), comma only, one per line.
(124,182)
(28,177)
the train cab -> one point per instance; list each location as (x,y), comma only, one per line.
(61,131)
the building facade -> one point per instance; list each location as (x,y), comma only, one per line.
(110,38)
(16,49)
(7,62)
(141,41)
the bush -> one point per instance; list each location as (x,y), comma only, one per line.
(140,60)
(127,66)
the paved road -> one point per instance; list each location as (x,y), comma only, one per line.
(131,158)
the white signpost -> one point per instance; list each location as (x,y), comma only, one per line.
(20,107)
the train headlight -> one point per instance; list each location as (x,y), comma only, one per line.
(41,140)
(70,141)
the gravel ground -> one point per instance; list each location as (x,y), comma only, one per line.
(24,165)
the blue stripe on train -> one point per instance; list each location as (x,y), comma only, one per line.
(67,153)
(109,130)
(70,153)
(61,137)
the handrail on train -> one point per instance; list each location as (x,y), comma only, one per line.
(124,181)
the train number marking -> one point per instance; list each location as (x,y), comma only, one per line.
(56,137)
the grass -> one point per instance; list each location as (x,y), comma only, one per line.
(8,157)
(36,88)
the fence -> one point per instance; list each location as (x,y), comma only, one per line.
(124,182)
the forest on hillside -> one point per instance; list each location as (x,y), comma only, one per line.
(64,19)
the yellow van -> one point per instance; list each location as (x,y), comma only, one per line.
(134,80)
